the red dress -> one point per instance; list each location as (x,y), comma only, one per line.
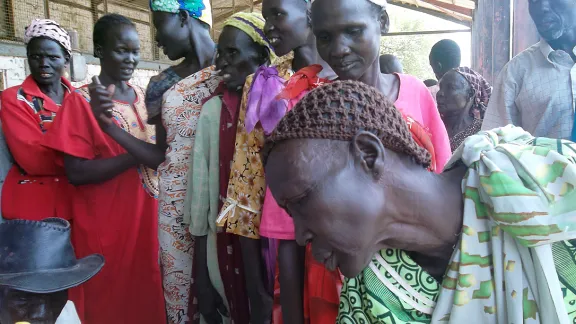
(117,218)
(36,186)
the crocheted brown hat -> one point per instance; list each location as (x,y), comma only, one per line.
(339,110)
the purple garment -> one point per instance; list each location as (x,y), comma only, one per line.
(262,105)
(270,256)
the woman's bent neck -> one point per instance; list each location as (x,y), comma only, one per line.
(426,211)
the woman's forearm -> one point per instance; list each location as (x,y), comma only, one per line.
(201,261)
(148,154)
(291,263)
(82,172)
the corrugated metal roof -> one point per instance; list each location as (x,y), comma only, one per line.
(454,10)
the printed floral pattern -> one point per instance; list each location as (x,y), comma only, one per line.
(180,112)
(242,210)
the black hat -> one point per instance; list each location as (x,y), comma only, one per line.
(38,257)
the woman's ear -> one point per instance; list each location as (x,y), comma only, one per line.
(438,66)
(471,94)
(384,22)
(264,56)
(369,151)
(98,52)
(183,15)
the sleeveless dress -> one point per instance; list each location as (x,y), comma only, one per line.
(180,112)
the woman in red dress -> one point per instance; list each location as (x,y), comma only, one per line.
(115,209)
(27,112)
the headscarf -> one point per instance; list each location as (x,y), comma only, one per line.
(340,109)
(302,82)
(49,29)
(199,9)
(253,25)
(271,96)
(482,90)
(261,106)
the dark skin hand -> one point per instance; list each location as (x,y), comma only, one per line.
(102,103)
(82,172)
(291,260)
(212,306)
(260,301)
(291,277)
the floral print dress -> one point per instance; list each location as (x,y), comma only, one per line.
(242,210)
(180,112)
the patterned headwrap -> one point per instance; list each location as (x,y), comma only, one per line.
(381,3)
(253,25)
(49,29)
(199,9)
(482,90)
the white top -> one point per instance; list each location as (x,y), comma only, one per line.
(68,315)
(536,90)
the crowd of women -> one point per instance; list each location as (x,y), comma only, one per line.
(278,176)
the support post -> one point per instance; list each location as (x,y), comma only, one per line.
(46,9)
(524,32)
(491,37)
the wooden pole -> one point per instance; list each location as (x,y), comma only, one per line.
(524,32)
(47,9)
(491,43)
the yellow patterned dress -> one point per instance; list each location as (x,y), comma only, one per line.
(242,209)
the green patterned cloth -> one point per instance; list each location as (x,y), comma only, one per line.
(392,289)
(514,262)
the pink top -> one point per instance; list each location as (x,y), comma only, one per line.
(414,100)
(275,222)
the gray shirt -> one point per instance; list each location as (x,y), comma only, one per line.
(536,90)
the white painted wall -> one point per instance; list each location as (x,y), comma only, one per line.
(15,73)
(14,70)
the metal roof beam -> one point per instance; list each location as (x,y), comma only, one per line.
(451,7)
(435,13)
